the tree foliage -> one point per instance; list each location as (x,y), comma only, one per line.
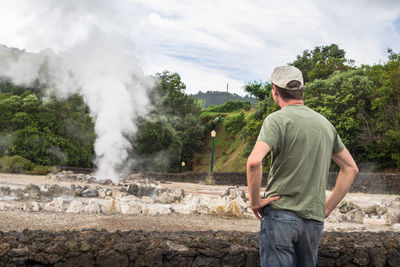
(321,62)
(174,131)
(344,99)
(47,133)
(258,89)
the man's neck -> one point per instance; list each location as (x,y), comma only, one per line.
(283,104)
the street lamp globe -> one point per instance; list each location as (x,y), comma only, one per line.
(213,133)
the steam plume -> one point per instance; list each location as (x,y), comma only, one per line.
(103,70)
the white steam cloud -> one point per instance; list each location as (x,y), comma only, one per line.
(103,70)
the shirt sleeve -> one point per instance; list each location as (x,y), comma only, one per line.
(338,145)
(269,133)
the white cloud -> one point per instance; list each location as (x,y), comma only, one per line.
(209,41)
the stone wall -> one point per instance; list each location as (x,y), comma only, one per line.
(373,183)
(140,248)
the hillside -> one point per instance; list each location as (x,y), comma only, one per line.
(229,148)
(219,98)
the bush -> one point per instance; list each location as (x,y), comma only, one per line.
(230,106)
(15,164)
(41,170)
(235,122)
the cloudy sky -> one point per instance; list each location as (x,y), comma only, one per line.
(209,42)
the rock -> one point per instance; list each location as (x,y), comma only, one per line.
(397,199)
(241,203)
(392,216)
(75,207)
(108,193)
(153,209)
(32,206)
(243,194)
(165,198)
(106,182)
(395,227)
(17,193)
(33,191)
(346,206)
(353,216)
(380,210)
(54,191)
(20,251)
(140,190)
(147,200)
(93,206)
(370,210)
(108,206)
(375,210)
(68,173)
(205,261)
(118,194)
(179,194)
(55,206)
(393,258)
(361,256)
(89,192)
(183,208)
(231,192)
(102,192)
(378,256)
(4,248)
(5,190)
(67,191)
(130,207)
(233,209)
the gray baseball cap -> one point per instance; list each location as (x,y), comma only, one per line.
(282,75)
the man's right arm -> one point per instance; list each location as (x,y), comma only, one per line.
(347,173)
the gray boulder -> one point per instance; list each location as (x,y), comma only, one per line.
(5,191)
(353,216)
(140,190)
(347,206)
(392,216)
(375,210)
(32,191)
(89,192)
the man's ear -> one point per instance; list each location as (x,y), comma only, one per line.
(274,90)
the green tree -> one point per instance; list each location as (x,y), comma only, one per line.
(344,99)
(259,89)
(322,61)
(382,134)
(174,129)
(51,133)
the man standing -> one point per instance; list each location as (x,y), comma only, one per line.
(302,144)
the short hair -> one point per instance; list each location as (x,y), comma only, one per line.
(287,94)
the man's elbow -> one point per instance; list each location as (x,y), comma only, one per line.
(355,170)
(253,163)
(352,170)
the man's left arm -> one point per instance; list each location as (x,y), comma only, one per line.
(254,176)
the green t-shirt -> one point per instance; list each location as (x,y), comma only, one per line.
(302,142)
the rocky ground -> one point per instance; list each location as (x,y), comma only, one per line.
(68,201)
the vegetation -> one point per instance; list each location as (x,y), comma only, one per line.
(217,98)
(50,132)
(174,130)
(363,103)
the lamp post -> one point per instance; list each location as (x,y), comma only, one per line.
(183,166)
(213,134)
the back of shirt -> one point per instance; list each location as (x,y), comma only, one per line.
(302,142)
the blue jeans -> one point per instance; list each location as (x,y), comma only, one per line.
(287,239)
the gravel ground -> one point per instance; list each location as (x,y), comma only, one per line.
(20,220)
